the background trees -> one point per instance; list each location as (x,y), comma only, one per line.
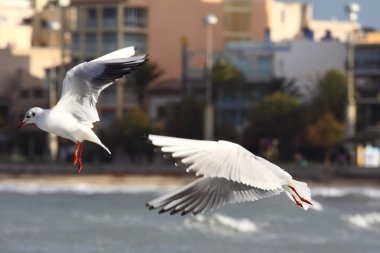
(142,77)
(310,127)
(185,119)
(129,134)
(276,117)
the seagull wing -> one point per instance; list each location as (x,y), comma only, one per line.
(205,194)
(220,159)
(84,82)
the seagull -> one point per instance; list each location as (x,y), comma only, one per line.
(228,174)
(74,114)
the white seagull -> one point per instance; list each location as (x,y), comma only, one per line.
(74,114)
(230,174)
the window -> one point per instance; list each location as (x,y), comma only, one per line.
(109,42)
(90,44)
(237,22)
(38,93)
(109,17)
(24,94)
(135,17)
(237,3)
(75,45)
(91,19)
(264,66)
(367,58)
(136,40)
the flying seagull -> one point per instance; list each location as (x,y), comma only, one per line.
(74,114)
(228,174)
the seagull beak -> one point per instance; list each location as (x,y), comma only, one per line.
(23,123)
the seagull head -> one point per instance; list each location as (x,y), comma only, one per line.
(31,116)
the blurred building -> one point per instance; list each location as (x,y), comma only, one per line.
(367,76)
(305,70)
(22,74)
(155,27)
(13,32)
(277,21)
(286,62)
(46,23)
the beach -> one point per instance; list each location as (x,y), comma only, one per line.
(151,180)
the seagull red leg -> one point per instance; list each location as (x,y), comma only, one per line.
(297,202)
(301,198)
(80,158)
(76,154)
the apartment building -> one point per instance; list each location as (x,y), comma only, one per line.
(367,76)
(158,27)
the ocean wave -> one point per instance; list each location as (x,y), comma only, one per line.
(367,221)
(86,189)
(221,224)
(339,192)
(316,206)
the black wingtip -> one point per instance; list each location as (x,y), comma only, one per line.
(174,211)
(185,212)
(162,211)
(149,206)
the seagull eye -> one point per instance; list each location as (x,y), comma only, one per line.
(27,116)
(33,114)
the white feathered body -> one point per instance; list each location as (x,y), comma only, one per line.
(67,126)
(228,174)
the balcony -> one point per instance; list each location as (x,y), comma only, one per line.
(135,17)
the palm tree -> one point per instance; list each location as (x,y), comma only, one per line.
(142,77)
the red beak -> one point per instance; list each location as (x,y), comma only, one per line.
(23,123)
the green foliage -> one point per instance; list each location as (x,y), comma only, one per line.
(284,86)
(225,72)
(276,117)
(326,131)
(225,130)
(142,77)
(331,95)
(130,132)
(185,119)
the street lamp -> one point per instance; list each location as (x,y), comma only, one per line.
(53,139)
(208,130)
(352,13)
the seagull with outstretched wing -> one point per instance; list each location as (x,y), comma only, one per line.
(74,114)
(228,174)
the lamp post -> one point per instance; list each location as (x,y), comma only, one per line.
(352,12)
(53,139)
(208,130)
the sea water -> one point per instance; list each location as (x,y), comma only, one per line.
(85,218)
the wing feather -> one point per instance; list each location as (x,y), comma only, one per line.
(220,159)
(205,194)
(84,82)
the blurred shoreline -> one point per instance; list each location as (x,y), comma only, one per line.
(151,180)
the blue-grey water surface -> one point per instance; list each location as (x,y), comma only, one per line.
(85,219)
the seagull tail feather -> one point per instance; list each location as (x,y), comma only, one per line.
(102,145)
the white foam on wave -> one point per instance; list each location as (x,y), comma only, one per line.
(221,224)
(342,191)
(316,206)
(87,189)
(364,221)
